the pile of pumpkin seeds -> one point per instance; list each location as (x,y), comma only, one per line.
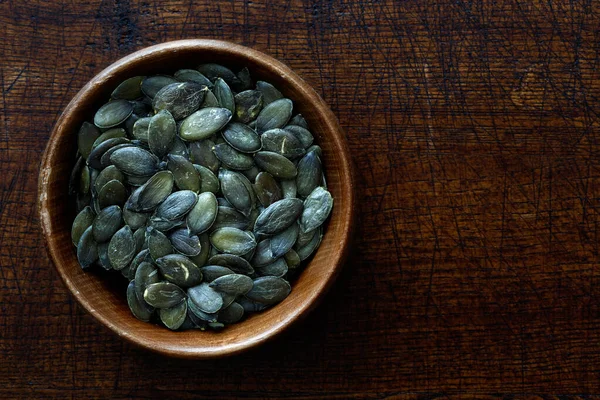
(204,190)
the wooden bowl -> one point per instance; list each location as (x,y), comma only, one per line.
(104,299)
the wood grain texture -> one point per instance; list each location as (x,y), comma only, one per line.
(474,129)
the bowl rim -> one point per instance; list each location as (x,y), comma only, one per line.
(347,189)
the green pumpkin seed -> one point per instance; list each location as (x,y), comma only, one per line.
(244,80)
(112,193)
(142,256)
(230,217)
(212,272)
(204,123)
(274,115)
(203,316)
(135,161)
(235,263)
(292,259)
(153,192)
(309,174)
(152,84)
(107,223)
(308,249)
(140,128)
(224,95)
(95,157)
(282,242)
(191,75)
(268,91)
(86,137)
(235,284)
(210,100)
(278,268)
(223,202)
(235,188)
(205,247)
(108,174)
(299,120)
(74,178)
(201,153)
(164,225)
(213,71)
(185,175)
(163,295)
(278,216)
(250,306)
(316,149)
(121,248)
(232,158)
(231,314)
(173,317)
(82,221)
(145,275)
(208,181)
(141,107)
(105,159)
(275,164)
(282,142)
(302,134)
(203,215)
(162,131)
(185,243)
(205,298)
(109,134)
(159,244)
(180,99)
(136,181)
(130,122)
(288,188)
(139,238)
(87,249)
(180,148)
(248,105)
(241,137)
(176,205)
(304,238)
(263,254)
(84,180)
(251,173)
(269,290)
(112,114)
(179,270)
(267,190)
(317,208)
(232,240)
(129,89)
(103,256)
(138,306)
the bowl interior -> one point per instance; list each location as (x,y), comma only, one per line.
(104,298)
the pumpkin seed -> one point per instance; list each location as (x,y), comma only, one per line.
(107,223)
(105,159)
(250,306)
(248,105)
(129,89)
(201,153)
(304,238)
(180,99)
(232,240)
(269,290)
(232,158)
(263,254)
(205,247)
(231,314)
(159,244)
(213,71)
(224,95)
(185,175)
(205,298)
(251,173)
(121,248)
(138,306)
(75,176)
(308,249)
(145,275)
(282,142)
(139,238)
(82,221)
(162,131)
(191,75)
(212,272)
(309,174)
(299,120)
(135,161)
(86,137)
(210,100)
(244,80)
(278,216)
(87,249)
(302,134)
(288,188)
(152,84)
(235,263)
(274,115)
(223,202)
(163,295)
(268,91)
(142,256)
(241,137)
(179,270)
(103,256)
(109,134)
(203,215)
(107,174)
(112,114)
(317,208)
(275,164)
(282,242)
(94,159)
(176,205)
(203,316)
(237,190)
(208,181)
(266,188)
(185,243)
(292,259)
(278,268)
(173,317)
(204,123)
(316,149)
(112,193)
(154,191)
(164,225)
(140,128)
(230,217)
(235,284)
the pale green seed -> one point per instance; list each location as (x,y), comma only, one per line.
(112,114)
(275,164)
(203,215)
(232,240)
(204,123)
(121,248)
(274,115)
(162,131)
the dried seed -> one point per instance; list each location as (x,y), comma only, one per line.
(164,225)
(274,115)
(223,202)
(316,149)
(185,175)
(292,259)
(250,306)
(185,243)
(268,91)
(288,188)
(87,249)
(205,247)
(82,221)
(105,159)
(241,137)
(299,120)
(152,84)
(235,284)
(235,263)
(205,298)
(263,254)
(317,208)
(203,316)
(204,123)
(204,213)
(112,114)
(278,216)
(107,223)
(212,272)
(140,128)
(282,242)
(269,290)
(213,71)
(208,181)
(181,99)
(191,75)
(251,173)
(176,205)
(95,157)
(224,95)
(267,190)
(278,268)
(108,174)
(159,244)
(135,161)
(173,317)
(244,80)
(109,134)
(139,238)
(231,314)
(230,217)
(309,174)
(138,306)
(232,240)
(308,249)
(201,153)
(238,191)
(275,164)
(163,295)
(86,137)
(121,248)
(103,256)
(302,134)
(129,89)
(145,275)
(282,142)
(232,158)
(112,193)
(179,270)
(162,131)
(248,105)
(154,191)
(210,100)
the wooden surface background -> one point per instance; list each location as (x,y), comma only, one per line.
(474,128)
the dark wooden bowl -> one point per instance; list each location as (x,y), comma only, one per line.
(104,299)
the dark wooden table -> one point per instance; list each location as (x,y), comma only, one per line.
(475,132)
